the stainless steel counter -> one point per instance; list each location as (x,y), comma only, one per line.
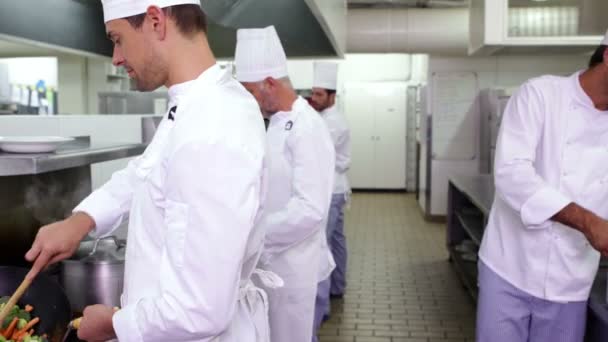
(478,188)
(75,154)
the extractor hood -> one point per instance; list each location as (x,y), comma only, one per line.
(308,28)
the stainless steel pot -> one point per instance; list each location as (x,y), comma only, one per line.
(94,275)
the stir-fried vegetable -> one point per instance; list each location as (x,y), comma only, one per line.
(18,325)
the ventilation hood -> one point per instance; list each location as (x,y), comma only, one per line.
(308,28)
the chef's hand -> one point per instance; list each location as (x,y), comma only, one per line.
(96,324)
(596,232)
(58,241)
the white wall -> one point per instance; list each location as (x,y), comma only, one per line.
(28,71)
(364,75)
(72,85)
(500,71)
(363,68)
(98,81)
(80,79)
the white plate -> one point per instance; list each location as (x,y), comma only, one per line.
(33,144)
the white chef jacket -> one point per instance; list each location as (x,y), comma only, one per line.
(193,197)
(301,163)
(340,135)
(552,150)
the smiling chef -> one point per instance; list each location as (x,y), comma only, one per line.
(192,197)
(547,229)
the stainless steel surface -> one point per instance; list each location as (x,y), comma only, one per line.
(78,153)
(300,29)
(411,158)
(94,275)
(407,3)
(129,102)
(479,189)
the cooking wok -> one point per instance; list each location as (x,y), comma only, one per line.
(45,295)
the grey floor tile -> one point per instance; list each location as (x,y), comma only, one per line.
(400,286)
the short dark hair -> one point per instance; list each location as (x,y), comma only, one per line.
(190,19)
(598,56)
(330,91)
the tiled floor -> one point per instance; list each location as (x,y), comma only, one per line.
(401,287)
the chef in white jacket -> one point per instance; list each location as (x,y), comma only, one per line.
(192,197)
(325,84)
(301,163)
(547,228)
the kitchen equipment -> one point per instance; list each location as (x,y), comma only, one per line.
(33,144)
(94,275)
(50,303)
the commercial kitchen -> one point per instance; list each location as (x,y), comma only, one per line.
(424,86)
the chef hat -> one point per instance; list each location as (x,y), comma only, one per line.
(259,54)
(605,41)
(118,9)
(326,75)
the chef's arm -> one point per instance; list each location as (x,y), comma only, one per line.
(212,198)
(98,215)
(309,202)
(343,151)
(592,226)
(516,179)
(108,205)
(577,217)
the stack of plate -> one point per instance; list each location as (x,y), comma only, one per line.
(32,144)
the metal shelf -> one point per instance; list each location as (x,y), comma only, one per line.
(466,270)
(472,223)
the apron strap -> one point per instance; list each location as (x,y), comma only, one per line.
(269,279)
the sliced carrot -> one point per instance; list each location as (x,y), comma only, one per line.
(17,335)
(28,326)
(11,327)
(29,308)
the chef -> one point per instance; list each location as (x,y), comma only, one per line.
(192,197)
(301,163)
(547,227)
(323,100)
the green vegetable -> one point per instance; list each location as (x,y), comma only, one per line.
(21,323)
(8,320)
(22,314)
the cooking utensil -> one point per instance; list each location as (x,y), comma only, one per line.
(94,275)
(69,330)
(33,144)
(25,284)
(50,303)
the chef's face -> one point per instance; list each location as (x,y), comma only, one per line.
(136,51)
(263,93)
(321,99)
